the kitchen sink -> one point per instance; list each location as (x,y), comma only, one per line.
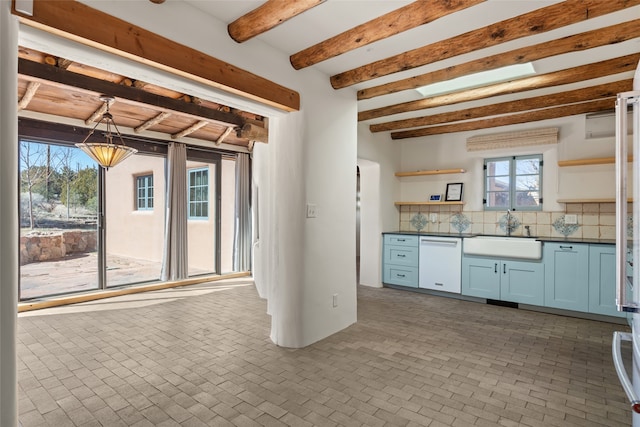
(503,247)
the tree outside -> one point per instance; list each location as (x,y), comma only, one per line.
(58,188)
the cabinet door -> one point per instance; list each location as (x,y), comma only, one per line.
(602,280)
(522,282)
(481,277)
(566,282)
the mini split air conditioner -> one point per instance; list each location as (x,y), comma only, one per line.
(602,124)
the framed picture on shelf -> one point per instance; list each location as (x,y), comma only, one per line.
(454,192)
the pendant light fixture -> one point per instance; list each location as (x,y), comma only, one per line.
(105,151)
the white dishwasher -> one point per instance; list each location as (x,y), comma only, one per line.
(440,263)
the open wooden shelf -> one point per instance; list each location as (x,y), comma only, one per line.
(427,203)
(595,161)
(430,172)
(608,200)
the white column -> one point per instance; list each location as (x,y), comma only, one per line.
(8,214)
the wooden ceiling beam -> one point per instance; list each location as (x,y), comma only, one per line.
(606,90)
(405,18)
(152,122)
(32,88)
(51,75)
(536,22)
(253,132)
(76,21)
(529,116)
(578,42)
(268,16)
(191,129)
(570,75)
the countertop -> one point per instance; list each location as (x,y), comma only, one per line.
(568,239)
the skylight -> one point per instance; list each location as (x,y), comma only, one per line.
(482,78)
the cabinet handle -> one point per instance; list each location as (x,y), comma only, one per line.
(504,268)
(400,275)
(402,240)
(401,255)
(566,247)
(495,268)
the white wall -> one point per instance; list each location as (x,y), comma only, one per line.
(311,158)
(8,215)
(449,151)
(378,159)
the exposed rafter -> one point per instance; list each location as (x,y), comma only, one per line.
(99,112)
(529,116)
(536,22)
(583,41)
(607,90)
(253,132)
(267,16)
(191,129)
(413,15)
(225,134)
(28,95)
(152,122)
(131,95)
(570,75)
(75,20)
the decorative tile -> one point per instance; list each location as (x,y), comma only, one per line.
(630,226)
(564,229)
(513,222)
(460,222)
(419,221)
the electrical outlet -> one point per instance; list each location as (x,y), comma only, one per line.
(433,217)
(571,219)
(312,210)
(335,300)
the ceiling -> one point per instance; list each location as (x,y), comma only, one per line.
(386,48)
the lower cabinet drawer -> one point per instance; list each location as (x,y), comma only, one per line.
(400,275)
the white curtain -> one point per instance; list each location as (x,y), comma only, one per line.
(174,263)
(242,232)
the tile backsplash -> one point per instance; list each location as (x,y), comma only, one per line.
(594,221)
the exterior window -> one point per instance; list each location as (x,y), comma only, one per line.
(199,193)
(144,192)
(513,183)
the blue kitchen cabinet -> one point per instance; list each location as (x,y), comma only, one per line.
(522,282)
(602,280)
(480,277)
(566,282)
(503,279)
(400,260)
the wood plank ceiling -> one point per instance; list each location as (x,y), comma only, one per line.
(58,87)
(551,34)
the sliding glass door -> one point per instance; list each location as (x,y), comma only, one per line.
(134,225)
(84,228)
(58,220)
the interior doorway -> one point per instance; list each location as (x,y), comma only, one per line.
(369,224)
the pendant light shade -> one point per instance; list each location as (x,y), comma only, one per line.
(104,150)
